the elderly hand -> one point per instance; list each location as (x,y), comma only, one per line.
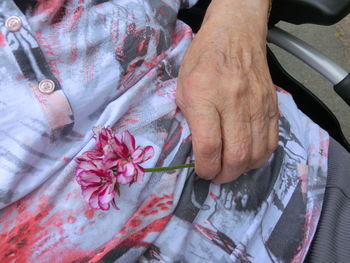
(226,93)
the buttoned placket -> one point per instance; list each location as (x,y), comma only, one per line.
(17,33)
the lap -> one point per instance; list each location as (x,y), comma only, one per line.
(267,215)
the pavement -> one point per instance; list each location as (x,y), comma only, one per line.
(334,42)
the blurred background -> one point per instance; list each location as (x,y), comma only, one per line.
(332,41)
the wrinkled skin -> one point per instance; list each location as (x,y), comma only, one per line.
(226,93)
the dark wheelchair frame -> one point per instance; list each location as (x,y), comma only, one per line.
(321,12)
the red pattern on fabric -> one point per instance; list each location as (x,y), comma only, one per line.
(76,16)
(49,6)
(33,228)
(30,227)
(2,40)
(130,117)
(174,138)
(181,33)
(310,227)
(134,240)
(212,195)
(134,231)
(50,46)
(30,232)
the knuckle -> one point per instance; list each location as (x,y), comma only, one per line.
(208,148)
(237,157)
(259,156)
(208,170)
(259,163)
(208,159)
(259,160)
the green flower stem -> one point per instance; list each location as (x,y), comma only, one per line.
(169,168)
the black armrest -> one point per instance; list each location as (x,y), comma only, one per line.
(321,12)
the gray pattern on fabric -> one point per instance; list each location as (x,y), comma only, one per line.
(115,63)
(255,204)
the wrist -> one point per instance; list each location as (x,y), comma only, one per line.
(249,14)
(262,5)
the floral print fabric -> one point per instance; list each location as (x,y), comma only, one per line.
(115,63)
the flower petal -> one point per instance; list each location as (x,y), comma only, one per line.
(114,204)
(111,163)
(129,141)
(142,154)
(88,178)
(140,173)
(106,196)
(138,155)
(126,174)
(89,165)
(87,192)
(119,148)
(103,137)
(93,200)
(89,156)
(149,153)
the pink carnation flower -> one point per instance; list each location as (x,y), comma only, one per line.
(130,158)
(116,160)
(98,183)
(103,150)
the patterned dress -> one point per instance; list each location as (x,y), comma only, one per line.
(69,65)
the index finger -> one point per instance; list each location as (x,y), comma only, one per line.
(204,124)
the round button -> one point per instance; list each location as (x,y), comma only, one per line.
(46,86)
(13,23)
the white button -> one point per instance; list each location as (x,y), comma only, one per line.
(46,86)
(13,23)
